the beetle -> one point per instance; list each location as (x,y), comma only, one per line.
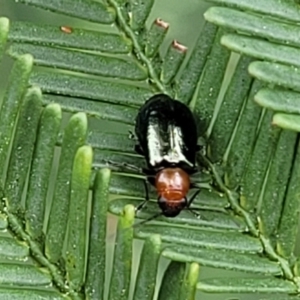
(167,137)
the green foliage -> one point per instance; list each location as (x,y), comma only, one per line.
(56,187)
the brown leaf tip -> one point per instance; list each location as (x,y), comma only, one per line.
(66,29)
(179,46)
(161,23)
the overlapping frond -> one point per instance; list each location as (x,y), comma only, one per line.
(108,74)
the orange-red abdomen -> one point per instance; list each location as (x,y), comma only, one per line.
(172,183)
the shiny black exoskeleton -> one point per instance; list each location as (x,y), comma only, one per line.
(167,134)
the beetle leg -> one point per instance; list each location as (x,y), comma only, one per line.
(190,201)
(142,204)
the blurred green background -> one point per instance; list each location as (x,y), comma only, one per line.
(185,19)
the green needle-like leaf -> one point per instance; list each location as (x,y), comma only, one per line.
(255,173)
(244,139)
(261,49)
(290,297)
(219,258)
(154,37)
(3,221)
(288,227)
(279,100)
(98,109)
(4,27)
(81,62)
(26,275)
(172,280)
(25,294)
(172,62)
(146,277)
(103,159)
(74,137)
(271,207)
(140,11)
(11,103)
(231,106)
(96,256)
(76,239)
(51,82)
(287,121)
(41,169)
(189,284)
(112,141)
(120,280)
(246,285)
(85,9)
(276,74)
(211,82)
(201,238)
(79,38)
(254,25)
(22,149)
(282,9)
(190,76)
(12,249)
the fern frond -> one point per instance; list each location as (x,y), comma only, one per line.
(249,178)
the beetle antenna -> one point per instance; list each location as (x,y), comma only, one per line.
(124,165)
(141,205)
(193,211)
(193,198)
